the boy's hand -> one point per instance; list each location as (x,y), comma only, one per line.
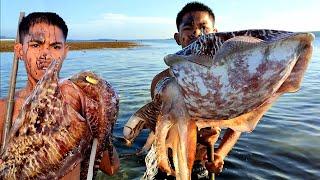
(208,136)
(217,165)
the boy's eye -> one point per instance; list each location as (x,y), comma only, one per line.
(35,45)
(57,47)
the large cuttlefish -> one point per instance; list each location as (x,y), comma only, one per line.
(49,138)
(222,80)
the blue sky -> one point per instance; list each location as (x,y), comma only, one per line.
(149,19)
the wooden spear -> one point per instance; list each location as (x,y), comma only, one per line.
(92,158)
(12,87)
(210,154)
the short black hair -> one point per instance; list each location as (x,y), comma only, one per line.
(192,7)
(42,17)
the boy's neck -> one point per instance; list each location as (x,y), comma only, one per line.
(31,84)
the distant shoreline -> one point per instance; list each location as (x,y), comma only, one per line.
(7,45)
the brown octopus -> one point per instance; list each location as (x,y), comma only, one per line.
(222,80)
(49,138)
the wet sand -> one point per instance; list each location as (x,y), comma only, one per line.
(7,46)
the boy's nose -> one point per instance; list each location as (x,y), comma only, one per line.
(198,32)
(45,51)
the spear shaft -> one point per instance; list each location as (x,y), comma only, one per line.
(12,87)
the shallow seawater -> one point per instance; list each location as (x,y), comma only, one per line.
(284,145)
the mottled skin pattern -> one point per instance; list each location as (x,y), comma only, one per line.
(211,43)
(222,80)
(49,138)
(240,69)
(206,46)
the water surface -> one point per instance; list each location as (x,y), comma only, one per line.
(284,145)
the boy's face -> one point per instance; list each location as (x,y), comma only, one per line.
(43,44)
(192,26)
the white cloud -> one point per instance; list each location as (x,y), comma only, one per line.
(122,26)
(302,20)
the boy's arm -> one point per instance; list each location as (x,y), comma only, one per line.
(229,139)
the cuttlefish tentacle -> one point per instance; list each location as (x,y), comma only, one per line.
(162,129)
(145,117)
(146,147)
(175,130)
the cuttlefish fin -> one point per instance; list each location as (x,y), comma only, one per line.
(293,82)
(243,123)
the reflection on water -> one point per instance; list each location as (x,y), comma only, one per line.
(285,144)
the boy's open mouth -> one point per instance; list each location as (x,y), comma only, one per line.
(43,64)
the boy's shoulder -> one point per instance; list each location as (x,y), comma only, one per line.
(3,106)
(3,103)
(3,100)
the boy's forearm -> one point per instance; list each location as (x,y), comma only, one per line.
(229,139)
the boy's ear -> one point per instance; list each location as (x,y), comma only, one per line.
(176,37)
(18,50)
